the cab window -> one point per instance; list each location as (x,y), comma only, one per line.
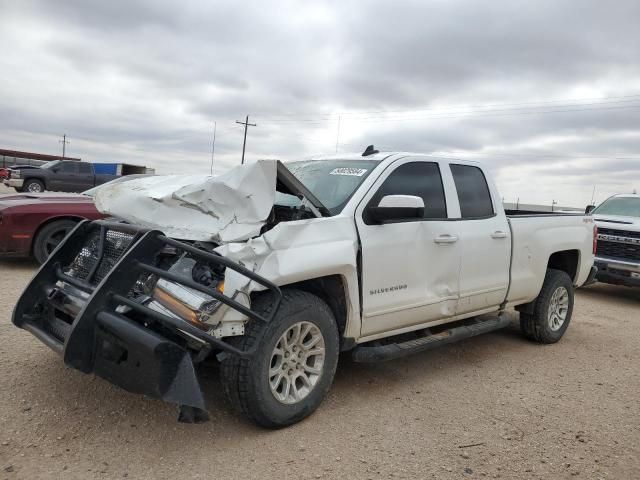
(473,191)
(84,168)
(67,167)
(420,179)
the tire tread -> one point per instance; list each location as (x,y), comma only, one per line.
(532,325)
(235,372)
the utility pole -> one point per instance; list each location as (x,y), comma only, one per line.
(338,134)
(64,144)
(246,124)
(213,145)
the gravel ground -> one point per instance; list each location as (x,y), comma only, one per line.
(495,406)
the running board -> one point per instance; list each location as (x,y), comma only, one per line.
(383,353)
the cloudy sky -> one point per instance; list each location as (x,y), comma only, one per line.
(547,93)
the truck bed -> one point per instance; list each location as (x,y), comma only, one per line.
(535,236)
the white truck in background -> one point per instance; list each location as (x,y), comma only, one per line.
(618,252)
(274,270)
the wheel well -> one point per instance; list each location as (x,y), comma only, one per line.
(567,261)
(34,178)
(332,290)
(51,220)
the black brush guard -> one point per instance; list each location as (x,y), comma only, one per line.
(112,345)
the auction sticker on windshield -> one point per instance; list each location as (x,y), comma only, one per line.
(354,172)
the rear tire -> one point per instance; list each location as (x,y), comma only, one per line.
(251,385)
(48,238)
(552,309)
(33,186)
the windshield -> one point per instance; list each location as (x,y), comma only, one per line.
(92,191)
(50,164)
(332,181)
(622,206)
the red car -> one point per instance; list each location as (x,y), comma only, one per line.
(35,223)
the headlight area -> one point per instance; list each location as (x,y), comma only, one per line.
(171,298)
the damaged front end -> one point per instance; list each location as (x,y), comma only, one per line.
(138,309)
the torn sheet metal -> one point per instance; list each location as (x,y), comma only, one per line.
(227,208)
(296,251)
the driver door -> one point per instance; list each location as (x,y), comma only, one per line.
(410,267)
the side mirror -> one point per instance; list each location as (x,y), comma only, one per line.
(397,207)
(589,209)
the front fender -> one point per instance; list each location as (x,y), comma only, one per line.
(301,250)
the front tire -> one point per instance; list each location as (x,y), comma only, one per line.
(552,309)
(294,363)
(48,238)
(33,186)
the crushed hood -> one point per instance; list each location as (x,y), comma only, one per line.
(227,208)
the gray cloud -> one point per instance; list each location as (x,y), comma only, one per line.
(144,80)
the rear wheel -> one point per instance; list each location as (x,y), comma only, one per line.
(33,186)
(552,310)
(48,238)
(293,365)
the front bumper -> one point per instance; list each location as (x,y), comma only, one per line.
(617,271)
(14,182)
(125,342)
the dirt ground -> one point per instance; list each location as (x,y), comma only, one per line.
(495,406)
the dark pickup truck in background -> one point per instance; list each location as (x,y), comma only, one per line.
(69,176)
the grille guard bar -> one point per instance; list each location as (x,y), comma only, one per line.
(167,368)
(111,292)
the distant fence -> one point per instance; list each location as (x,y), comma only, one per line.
(530,207)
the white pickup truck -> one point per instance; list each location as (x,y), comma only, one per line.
(273,271)
(618,253)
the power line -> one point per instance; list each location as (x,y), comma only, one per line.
(488,113)
(517,111)
(535,104)
(213,145)
(244,144)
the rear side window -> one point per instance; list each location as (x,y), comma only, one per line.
(68,167)
(84,168)
(473,191)
(421,179)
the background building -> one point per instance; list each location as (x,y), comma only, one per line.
(9,158)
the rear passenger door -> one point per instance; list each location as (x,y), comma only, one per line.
(85,179)
(485,241)
(409,267)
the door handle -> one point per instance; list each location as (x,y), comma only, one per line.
(499,234)
(446,238)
